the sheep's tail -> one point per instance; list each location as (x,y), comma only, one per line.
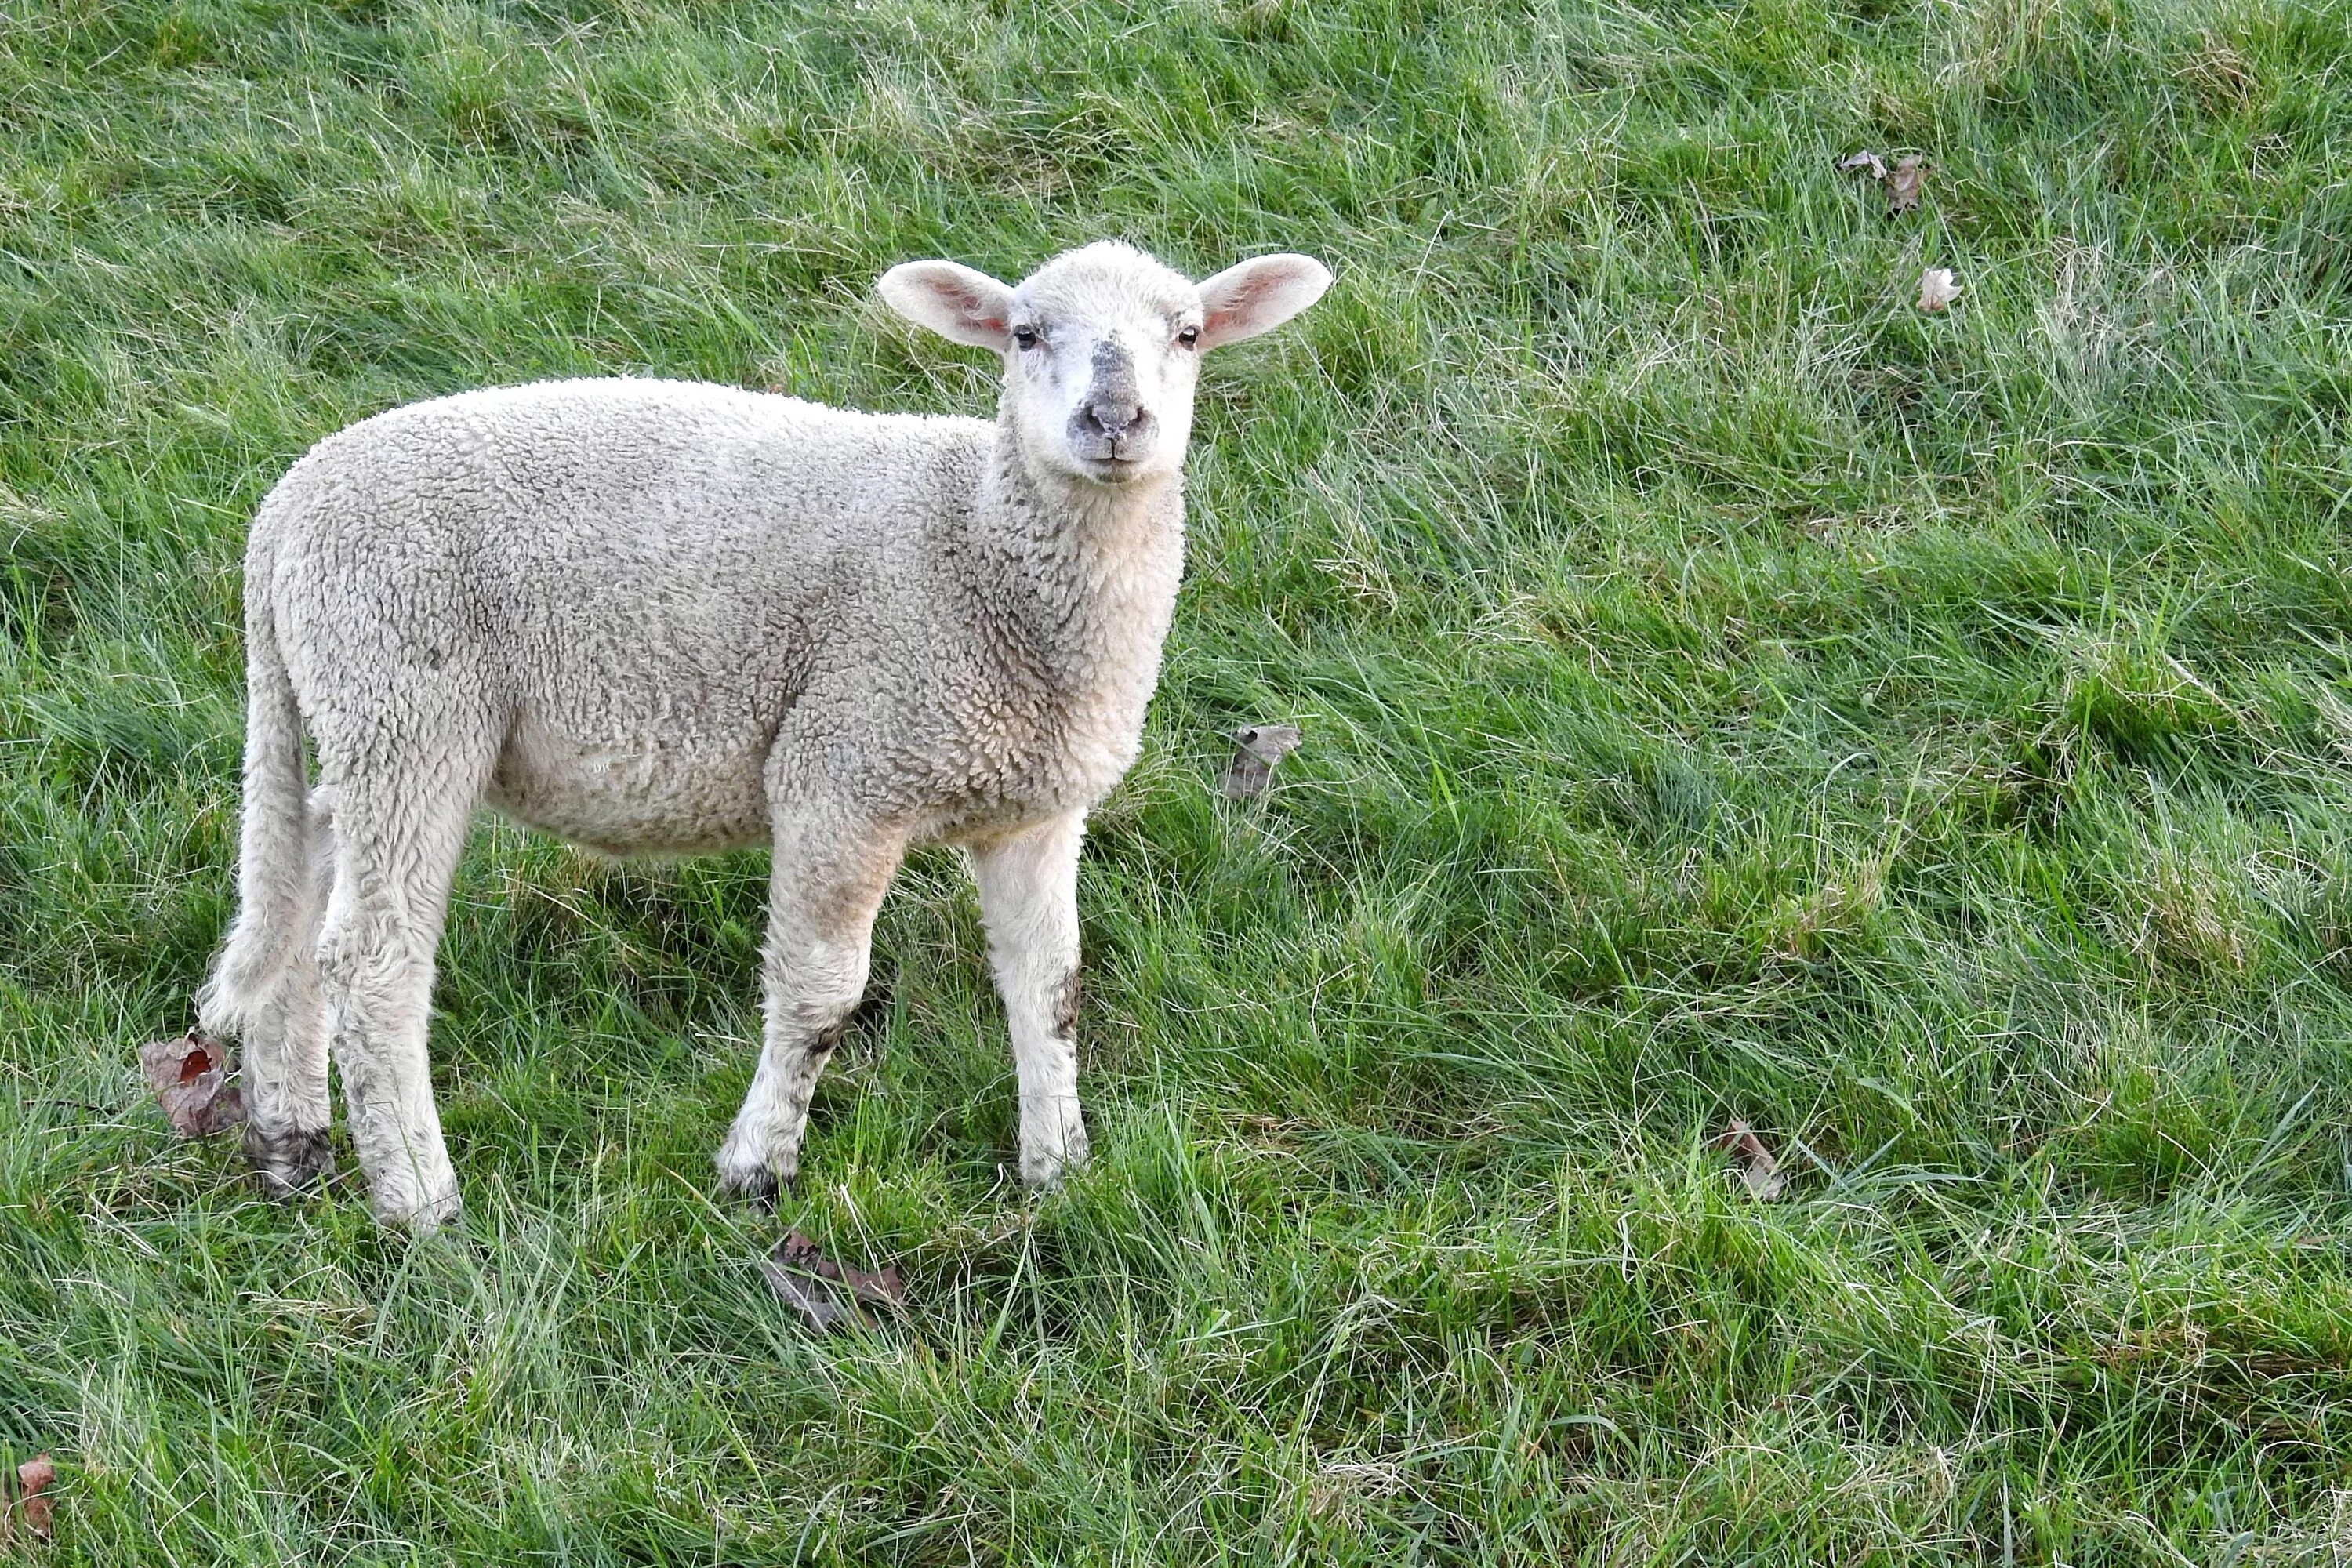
(284,837)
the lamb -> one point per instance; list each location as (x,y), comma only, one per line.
(665,617)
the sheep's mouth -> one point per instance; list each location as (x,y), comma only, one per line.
(1110,469)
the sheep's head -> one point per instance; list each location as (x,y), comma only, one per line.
(1102,346)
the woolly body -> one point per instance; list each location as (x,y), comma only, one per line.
(635,585)
(666,617)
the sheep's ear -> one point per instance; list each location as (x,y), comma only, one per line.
(1258,296)
(953,302)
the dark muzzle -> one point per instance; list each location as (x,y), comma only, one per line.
(1111,424)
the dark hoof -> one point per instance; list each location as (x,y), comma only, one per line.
(286,1162)
(760,1189)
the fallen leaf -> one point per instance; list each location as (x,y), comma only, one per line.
(1762,1175)
(883,1288)
(799,1272)
(28,1504)
(818,1306)
(1259,747)
(1902,184)
(190,1077)
(1938,289)
(1865,159)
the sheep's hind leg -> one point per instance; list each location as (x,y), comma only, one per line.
(1029,898)
(287,1108)
(830,874)
(399,830)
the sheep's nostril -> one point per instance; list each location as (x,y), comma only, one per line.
(1112,427)
(1114,419)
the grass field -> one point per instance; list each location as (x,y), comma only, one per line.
(1728,692)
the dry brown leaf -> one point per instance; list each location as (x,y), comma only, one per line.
(797,1266)
(1758,1170)
(1904,183)
(190,1077)
(1865,159)
(1258,748)
(1938,289)
(883,1288)
(28,1504)
(820,1307)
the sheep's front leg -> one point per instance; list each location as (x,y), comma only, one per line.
(830,874)
(1029,898)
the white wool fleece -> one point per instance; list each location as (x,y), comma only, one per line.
(666,617)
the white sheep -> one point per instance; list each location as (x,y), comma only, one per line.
(664,617)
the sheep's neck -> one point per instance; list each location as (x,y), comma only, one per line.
(1084,577)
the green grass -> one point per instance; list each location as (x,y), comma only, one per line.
(1727,692)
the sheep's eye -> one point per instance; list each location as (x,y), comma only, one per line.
(1024,337)
(1189,337)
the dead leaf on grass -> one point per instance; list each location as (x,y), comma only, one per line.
(1758,1169)
(819,1305)
(883,1288)
(1905,183)
(1865,159)
(799,1272)
(1258,748)
(1938,289)
(25,1503)
(190,1077)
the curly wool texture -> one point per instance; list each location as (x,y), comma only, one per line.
(621,595)
(664,617)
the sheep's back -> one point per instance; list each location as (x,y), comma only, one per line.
(636,575)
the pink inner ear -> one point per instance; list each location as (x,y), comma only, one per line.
(1237,300)
(970,304)
(975,308)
